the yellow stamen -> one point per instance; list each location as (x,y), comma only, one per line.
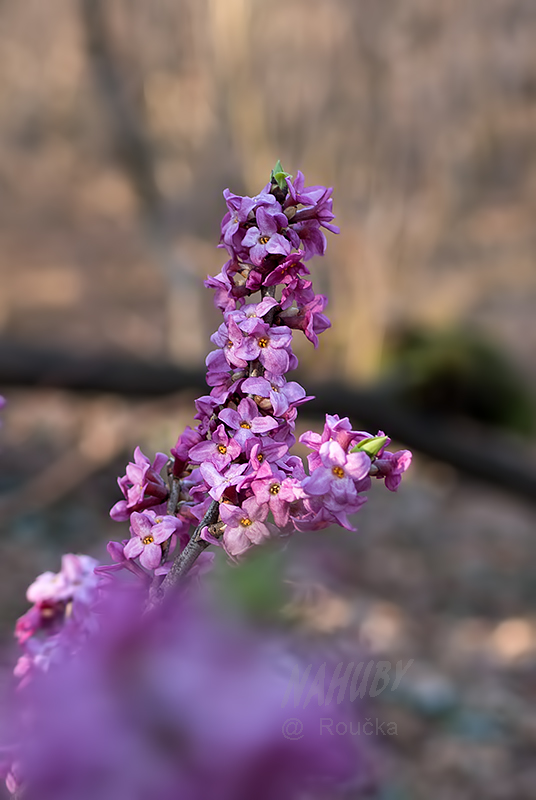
(245,425)
(264,240)
(263,342)
(147,539)
(246,522)
(222,449)
(338,472)
(274,488)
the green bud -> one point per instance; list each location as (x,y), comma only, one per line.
(371,446)
(279,175)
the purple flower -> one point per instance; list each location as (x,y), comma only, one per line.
(299,291)
(310,237)
(244,525)
(287,271)
(133,715)
(278,491)
(246,317)
(282,394)
(224,379)
(265,240)
(299,194)
(220,483)
(316,200)
(392,466)
(142,485)
(220,450)
(337,473)
(309,318)
(240,209)
(325,512)
(188,439)
(75,579)
(264,450)
(148,532)
(336,429)
(271,345)
(230,338)
(247,421)
(222,286)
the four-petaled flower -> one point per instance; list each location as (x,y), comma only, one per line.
(142,485)
(244,525)
(247,420)
(338,472)
(265,240)
(270,345)
(148,532)
(220,450)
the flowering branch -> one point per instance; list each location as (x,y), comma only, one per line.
(184,561)
(235,468)
(233,479)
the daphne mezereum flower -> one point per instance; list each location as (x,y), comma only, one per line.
(133,713)
(75,579)
(247,316)
(282,393)
(265,240)
(220,450)
(245,426)
(317,202)
(338,472)
(392,466)
(148,532)
(309,318)
(270,345)
(335,429)
(219,483)
(142,485)
(277,490)
(244,525)
(247,421)
(239,211)
(288,270)
(130,694)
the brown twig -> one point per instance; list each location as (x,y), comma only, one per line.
(174,494)
(184,561)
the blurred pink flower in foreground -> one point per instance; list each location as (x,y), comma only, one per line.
(179,706)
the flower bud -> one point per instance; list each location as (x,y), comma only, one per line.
(371,446)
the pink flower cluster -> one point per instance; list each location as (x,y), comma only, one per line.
(187,705)
(60,615)
(110,706)
(239,453)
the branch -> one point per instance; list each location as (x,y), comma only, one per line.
(184,561)
(174,493)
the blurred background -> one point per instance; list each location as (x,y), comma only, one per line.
(121,122)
